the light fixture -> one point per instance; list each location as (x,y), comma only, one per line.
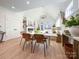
(28,2)
(13,7)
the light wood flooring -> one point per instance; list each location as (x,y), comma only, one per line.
(12,50)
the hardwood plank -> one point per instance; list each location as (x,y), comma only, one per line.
(12,50)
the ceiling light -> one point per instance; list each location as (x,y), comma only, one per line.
(61,1)
(13,7)
(28,2)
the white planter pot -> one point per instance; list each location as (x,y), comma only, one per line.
(74,31)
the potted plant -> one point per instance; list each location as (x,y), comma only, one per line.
(73,24)
(37,30)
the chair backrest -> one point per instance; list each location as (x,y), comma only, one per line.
(26,36)
(39,37)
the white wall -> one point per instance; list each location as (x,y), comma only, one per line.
(34,15)
(75,5)
(59,22)
(10,23)
(2,19)
(72,8)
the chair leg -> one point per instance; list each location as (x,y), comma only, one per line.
(46,45)
(31,46)
(24,44)
(49,41)
(44,50)
(20,41)
(34,47)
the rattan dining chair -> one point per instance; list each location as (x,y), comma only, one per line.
(27,38)
(21,38)
(40,39)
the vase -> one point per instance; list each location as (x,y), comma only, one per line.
(74,31)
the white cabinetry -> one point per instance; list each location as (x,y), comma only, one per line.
(78,3)
(72,8)
(75,5)
(69,10)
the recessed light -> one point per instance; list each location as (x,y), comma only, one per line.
(28,2)
(13,7)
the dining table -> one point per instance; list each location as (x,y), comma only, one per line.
(47,35)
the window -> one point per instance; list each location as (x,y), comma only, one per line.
(69,10)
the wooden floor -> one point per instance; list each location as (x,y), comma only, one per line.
(12,50)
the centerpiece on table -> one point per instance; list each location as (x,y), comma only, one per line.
(37,30)
(73,24)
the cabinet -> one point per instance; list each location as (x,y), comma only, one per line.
(76,49)
(58,38)
(71,50)
(72,8)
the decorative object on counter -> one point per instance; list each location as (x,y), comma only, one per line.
(38,31)
(67,32)
(73,24)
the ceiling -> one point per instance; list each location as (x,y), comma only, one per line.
(21,5)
